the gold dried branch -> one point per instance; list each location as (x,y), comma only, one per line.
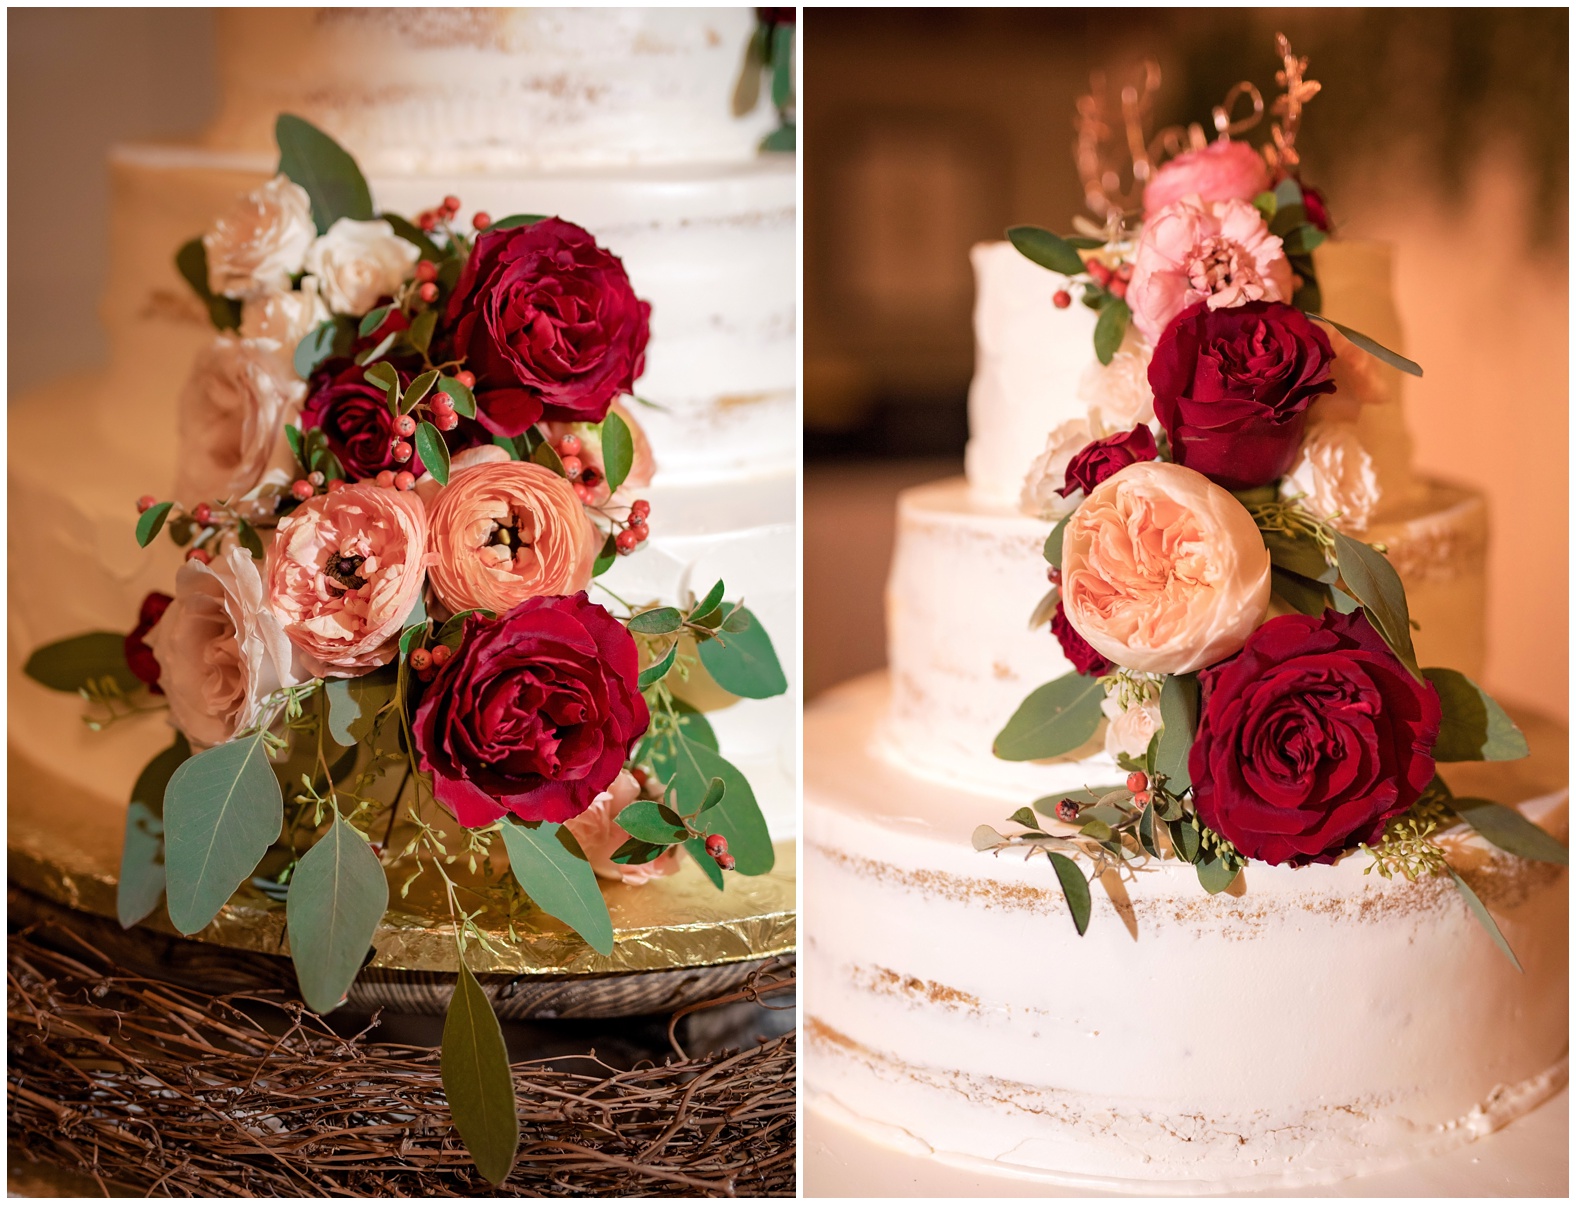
(1298,90)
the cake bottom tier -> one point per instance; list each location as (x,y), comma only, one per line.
(1307,1026)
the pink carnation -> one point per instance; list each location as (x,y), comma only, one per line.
(597,830)
(346,571)
(1221,171)
(1218,252)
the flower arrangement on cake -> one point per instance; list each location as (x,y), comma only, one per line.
(1250,654)
(403,467)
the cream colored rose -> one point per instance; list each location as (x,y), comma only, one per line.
(597,830)
(261,242)
(231,418)
(286,317)
(221,652)
(1335,476)
(1048,471)
(1118,394)
(359,263)
(1163,571)
(1130,731)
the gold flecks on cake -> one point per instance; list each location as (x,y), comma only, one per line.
(887,982)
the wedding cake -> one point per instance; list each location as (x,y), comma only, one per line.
(1238,1010)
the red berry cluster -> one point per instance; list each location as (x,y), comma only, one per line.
(429,219)
(717,847)
(425,663)
(1115,282)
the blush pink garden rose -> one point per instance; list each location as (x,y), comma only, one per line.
(232,413)
(1163,571)
(1221,171)
(261,242)
(221,652)
(345,572)
(1219,252)
(597,830)
(504,531)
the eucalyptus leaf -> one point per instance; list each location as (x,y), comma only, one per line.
(1215,874)
(1288,192)
(693,727)
(354,703)
(1053,542)
(1025,817)
(1179,715)
(1474,726)
(691,767)
(1075,887)
(1046,249)
(1055,719)
(1110,329)
(1185,839)
(644,821)
(986,838)
(744,662)
(1300,554)
(338,894)
(433,451)
(659,621)
(1510,830)
(476,1080)
(552,870)
(708,604)
(1481,915)
(1045,609)
(1374,348)
(71,664)
(325,170)
(1302,239)
(141,882)
(782,65)
(1146,831)
(618,450)
(152,522)
(323,342)
(192,263)
(658,670)
(1297,592)
(1374,583)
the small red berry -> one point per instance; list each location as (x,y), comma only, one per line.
(401,451)
(626,541)
(642,533)
(1067,810)
(317,479)
(441,405)
(405,426)
(441,654)
(1137,780)
(481,219)
(202,512)
(1099,271)
(583,492)
(428,221)
(198,554)
(468,379)
(725,862)
(337,484)
(426,270)
(145,502)
(1124,272)
(590,476)
(1062,299)
(716,844)
(302,490)
(1118,288)
(404,480)
(445,420)
(386,478)
(1141,798)
(639,509)
(451,203)
(573,468)
(1054,573)
(428,292)
(420,659)
(569,445)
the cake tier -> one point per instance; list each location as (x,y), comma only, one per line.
(471,89)
(1309,1025)
(967,575)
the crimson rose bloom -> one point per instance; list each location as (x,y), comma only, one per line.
(1310,738)
(1105,457)
(1313,205)
(1232,388)
(535,713)
(139,657)
(356,422)
(550,325)
(1075,648)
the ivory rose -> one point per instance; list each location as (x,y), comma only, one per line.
(285,316)
(346,570)
(232,413)
(1130,730)
(1219,252)
(1335,476)
(597,830)
(221,652)
(504,531)
(1047,475)
(1163,571)
(260,243)
(357,264)
(1118,394)
(1221,171)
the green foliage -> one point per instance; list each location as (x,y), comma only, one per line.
(1055,719)
(413,234)
(74,663)
(1481,914)
(1510,830)
(1374,348)
(515,220)
(659,621)
(1373,582)
(464,400)
(433,451)
(618,450)
(419,389)
(658,670)
(552,870)
(1046,249)
(1076,889)
(1053,542)
(1110,329)
(353,703)
(338,894)
(606,557)
(152,522)
(690,766)
(1179,714)
(1474,727)
(192,263)
(141,883)
(652,822)
(744,662)
(1299,593)
(324,341)
(325,170)
(784,138)
(476,1080)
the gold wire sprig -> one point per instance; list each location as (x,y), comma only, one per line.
(1298,90)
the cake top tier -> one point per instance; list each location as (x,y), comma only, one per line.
(471,89)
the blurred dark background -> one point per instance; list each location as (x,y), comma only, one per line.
(1441,131)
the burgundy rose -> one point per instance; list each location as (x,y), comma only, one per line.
(138,655)
(1105,457)
(1310,738)
(1313,205)
(1232,388)
(534,714)
(355,419)
(1075,648)
(549,324)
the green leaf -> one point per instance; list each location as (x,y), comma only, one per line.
(1266,205)
(464,400)
(1214,874)
(1373,581)
(152,522)
(782,65)
(1299,554)
(1374,348)
(658,670)
(250,540)
(421,327)
(745,664)
(1343,602)
(547,456)
(644,821)
(783,138)
(476,1079)
(1146,831)
(192,262)
(1055,719)
(1046,249)
(1025,817)
(338,894)
(1098,829)
(1474,728)
(1288,192)
(1075,887)
(141,883)
(414,235)
(1110,328)
(1045,609)
(378,352)
(222,810)
(386,378)
(635,852)
(1179,714)
(715,793)
(618,450)
(321,166)
(659,621)
(419,389)
(321,343)
(433,451)
(1475,906)
(71,664)
(517,219)
(1510,831)
(1298,593)
(1053,542)
(708,604)
(1185,839)
(452,633)
(696,848)
(693,726)
(738,817)
(747,88)
(373,320)
(606,557)
(552,869)
(354,704)
(1301,239)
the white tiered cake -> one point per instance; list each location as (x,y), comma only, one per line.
(620,118)
(1309,1025)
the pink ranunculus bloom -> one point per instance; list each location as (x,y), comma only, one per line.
(1221,171)
(345,573)
(1218,252)
(504,531)
(597,830)
(1163,571)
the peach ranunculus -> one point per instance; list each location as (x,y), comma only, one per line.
(1219,252)
(1163,571)
(231,420)
(221,652)
(597,830)
(345,573)
(261,242)
(505,531)
(1221,171)
(641,469)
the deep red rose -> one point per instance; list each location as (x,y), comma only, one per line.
(138,655)
(534,714)
(1232,388)
(1104,457)
(1313,205)
(550,325)
(1075,648)
(1310,738)
(355,419)
(777,16)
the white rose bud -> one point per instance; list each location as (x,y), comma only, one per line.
(357,263)
(1335,476)
(1048,473)
(1130,731)
(231,418)
(260,244)
(286,317)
